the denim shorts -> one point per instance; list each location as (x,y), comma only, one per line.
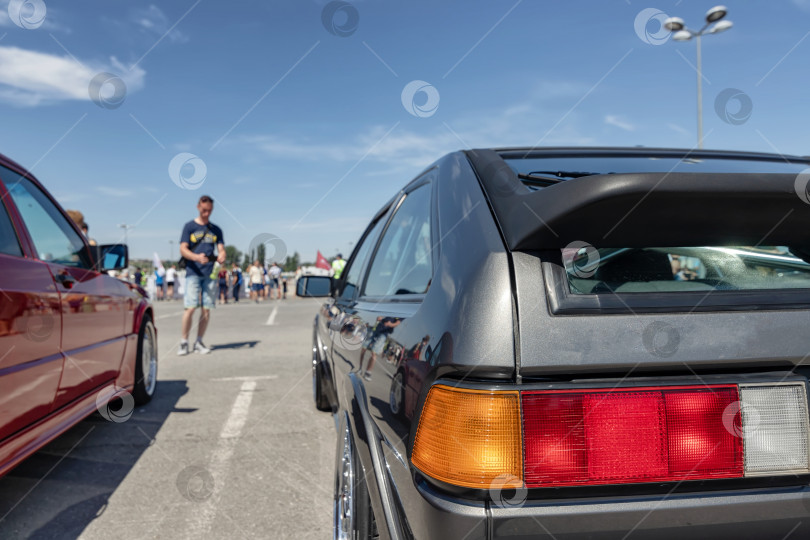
(197,286)
(375,343)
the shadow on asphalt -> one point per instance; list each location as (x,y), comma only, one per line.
(236,345)
(58,491)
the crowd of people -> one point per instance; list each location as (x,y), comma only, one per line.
(259,282)
(266,282)
(160,283)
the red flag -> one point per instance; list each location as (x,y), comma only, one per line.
(321,262)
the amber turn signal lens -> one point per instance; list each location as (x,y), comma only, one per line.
(469,438)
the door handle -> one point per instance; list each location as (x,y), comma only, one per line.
(66,280)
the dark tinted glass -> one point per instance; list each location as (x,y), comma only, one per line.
(402,264)
(8,237)
(354,273)
(314,286)
(115,257)
(680,269)
(54,238)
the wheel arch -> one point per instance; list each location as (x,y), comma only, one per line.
(326,370)
(144,309)
(126,370)
(368,441)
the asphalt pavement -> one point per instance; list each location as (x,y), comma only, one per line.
(231,447)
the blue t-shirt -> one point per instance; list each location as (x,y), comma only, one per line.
(206,237)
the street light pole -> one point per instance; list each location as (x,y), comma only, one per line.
(126,228)
(713,25)
(699,93)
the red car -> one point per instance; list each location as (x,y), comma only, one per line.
(72,338)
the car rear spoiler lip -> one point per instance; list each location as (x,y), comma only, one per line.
(645,209)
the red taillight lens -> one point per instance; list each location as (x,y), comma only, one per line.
(629,435)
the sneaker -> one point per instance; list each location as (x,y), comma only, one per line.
(200,348)
(367,376)
(182,350)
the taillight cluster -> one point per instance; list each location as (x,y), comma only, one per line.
(554,438)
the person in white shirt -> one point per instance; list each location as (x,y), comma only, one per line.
(275,274)
(256,281)
(171,275)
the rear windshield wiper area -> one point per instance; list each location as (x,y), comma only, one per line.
(548,178)
(566,174)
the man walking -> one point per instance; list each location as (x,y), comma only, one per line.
(199,243)
(223,285)
(375,342)
(171,275)
(275,275)
(236,280)
(256,281)
(338,265)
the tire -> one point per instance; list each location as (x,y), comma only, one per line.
(321,401)
(353,518)
(396,396)
(146,363)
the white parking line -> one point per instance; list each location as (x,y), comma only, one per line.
(271,320)
(220,460)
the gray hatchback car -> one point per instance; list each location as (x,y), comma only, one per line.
(574,343)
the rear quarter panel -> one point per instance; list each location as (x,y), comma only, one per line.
(468,316)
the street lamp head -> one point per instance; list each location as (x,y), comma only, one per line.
(682,35)
(674,24)
(715,14)
(722,26)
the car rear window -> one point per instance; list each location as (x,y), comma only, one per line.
(680,269)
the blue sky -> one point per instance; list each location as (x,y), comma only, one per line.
(303,133)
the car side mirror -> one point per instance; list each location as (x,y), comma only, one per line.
(111,257)
(314,286)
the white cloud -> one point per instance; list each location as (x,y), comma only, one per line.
(613,120)
(154,21)
(543,118)
(332,225)
(30,78)
(69,198)
(678,129)
(804,5)
(398,149)
(403,149)
(49,24)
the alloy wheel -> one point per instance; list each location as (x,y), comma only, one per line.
(344,490)
(149,359)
